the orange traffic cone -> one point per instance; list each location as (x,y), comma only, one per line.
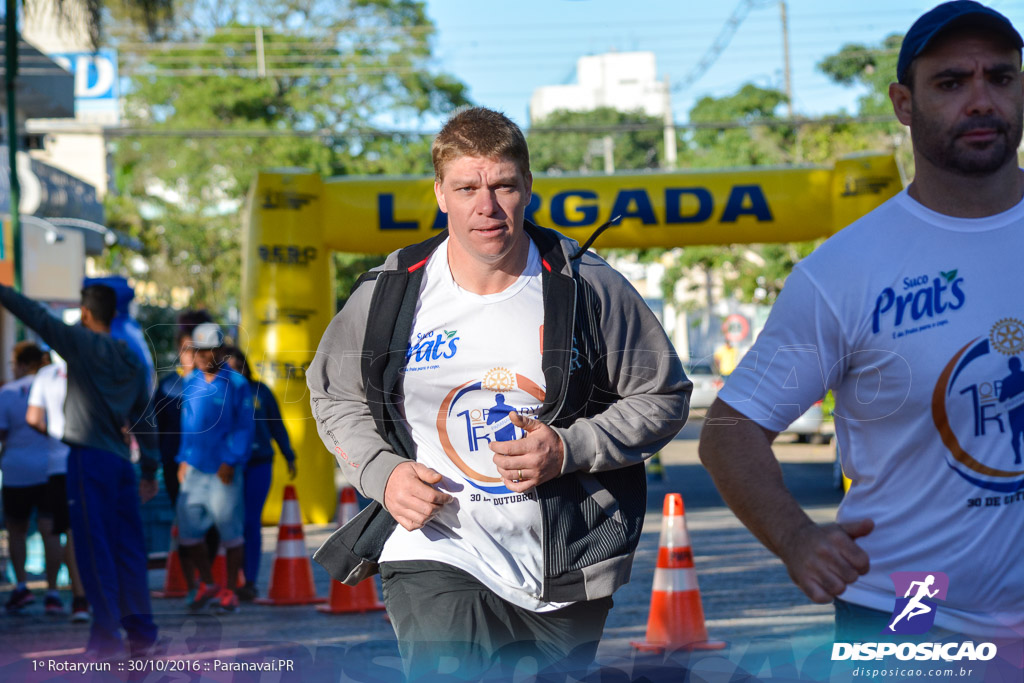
(291,577)
(361,597)
(676,621)
(174,580)
(219,569)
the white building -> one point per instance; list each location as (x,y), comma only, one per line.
(77,146)
(622,80)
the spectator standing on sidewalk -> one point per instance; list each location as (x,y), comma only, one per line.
(167,400)
(268,427)
(216,439)
(24,461)
(107,394)
(45,414)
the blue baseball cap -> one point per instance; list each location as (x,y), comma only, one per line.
(947,16)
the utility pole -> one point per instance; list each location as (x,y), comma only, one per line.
(10,76)
(608,145)
(670,128)
(261,57)
(785,57)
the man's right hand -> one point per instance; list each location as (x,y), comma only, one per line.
(410,496)
(182,471)
(824,559)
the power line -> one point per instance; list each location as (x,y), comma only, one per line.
(363,132)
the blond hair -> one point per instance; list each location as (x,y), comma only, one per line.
(479,132)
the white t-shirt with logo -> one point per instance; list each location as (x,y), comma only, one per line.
(472,359)
(915,321)
(49,388)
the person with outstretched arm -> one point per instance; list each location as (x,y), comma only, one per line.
(107,399)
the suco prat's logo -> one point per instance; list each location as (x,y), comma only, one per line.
(916,593)
(915,304)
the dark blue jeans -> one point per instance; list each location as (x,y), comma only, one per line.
(103,500)
(257,486)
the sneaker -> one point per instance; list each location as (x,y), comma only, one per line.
(80,611)
(246,593)
(198,597)
(227,601)
(19,599)
(53,606)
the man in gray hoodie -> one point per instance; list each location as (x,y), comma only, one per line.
(107,398)
(495,390)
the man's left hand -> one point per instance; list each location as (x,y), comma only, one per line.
(226,473)
(531,460)
(292,471)
(147,489)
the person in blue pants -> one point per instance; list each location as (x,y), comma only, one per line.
(107,397)
(269,427)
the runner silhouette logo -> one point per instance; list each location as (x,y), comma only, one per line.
(916,593)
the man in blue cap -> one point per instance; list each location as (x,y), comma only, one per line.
(908,317)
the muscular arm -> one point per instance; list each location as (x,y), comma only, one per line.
(821,560)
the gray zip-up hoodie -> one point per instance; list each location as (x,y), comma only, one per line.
(106,384)
(615,394)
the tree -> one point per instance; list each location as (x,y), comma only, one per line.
(150,15)
(873,69)
(756,145)
(324,102)
(571,141)
(748,272)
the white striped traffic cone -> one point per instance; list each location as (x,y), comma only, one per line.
(676,620)
(291,577)
(363,596)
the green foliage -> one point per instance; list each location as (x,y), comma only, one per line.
(871,67)
(363,66)
(158,325)
(757,145)
(348,269)
(555,147)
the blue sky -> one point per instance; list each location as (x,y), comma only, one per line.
(505,50)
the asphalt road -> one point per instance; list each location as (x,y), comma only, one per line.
(748,602)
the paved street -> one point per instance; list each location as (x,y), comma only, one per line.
(748,602)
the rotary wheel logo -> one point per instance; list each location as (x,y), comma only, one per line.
(1007,336)
(499,379)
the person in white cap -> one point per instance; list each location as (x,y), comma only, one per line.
(909,317)
(216,437)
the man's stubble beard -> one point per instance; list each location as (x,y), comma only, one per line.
(942,151)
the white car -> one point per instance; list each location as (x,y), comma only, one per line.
(705,385)
(812,426)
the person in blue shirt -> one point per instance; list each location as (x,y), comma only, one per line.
(269,427)
(167,401)
(216,439)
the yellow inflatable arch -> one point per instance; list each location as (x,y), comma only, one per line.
(295,218)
